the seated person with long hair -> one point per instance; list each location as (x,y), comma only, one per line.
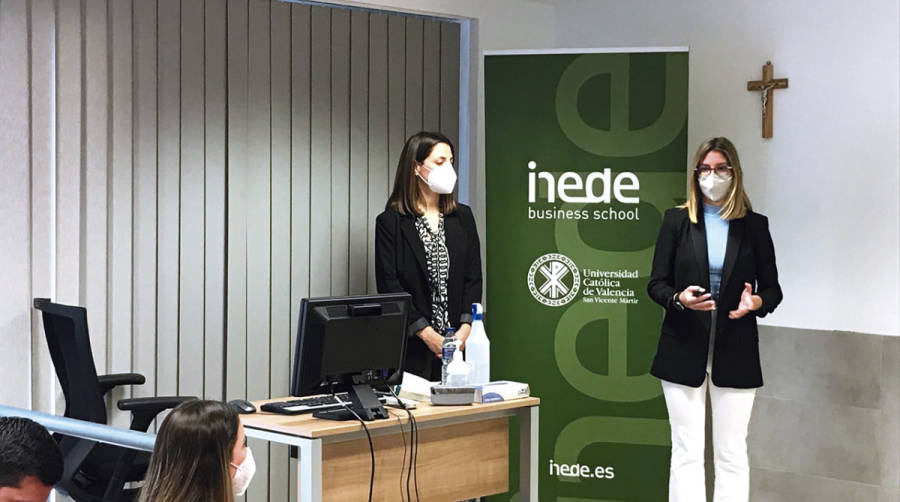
(201,455)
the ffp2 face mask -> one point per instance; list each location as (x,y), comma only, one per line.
(715,187)
(243,474)
(441,179)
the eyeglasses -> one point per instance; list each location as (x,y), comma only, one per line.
(703,170)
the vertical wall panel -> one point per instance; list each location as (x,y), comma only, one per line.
(120,198)
(396,90)
(340,149)
(168,197)
(450,82)
(15,308)
(300,177)
(145,189)
(320,153)
(259,219)
(69,121)
(281,198)
(69,130)
(413,84)
(214,199)
(378,158)
(280,358)
(42,36)
(359,146)
(191,201)
(300,160)
(431,76)
(96,108)
(236,264)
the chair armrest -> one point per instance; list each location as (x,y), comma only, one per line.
(144,409)
(107,382)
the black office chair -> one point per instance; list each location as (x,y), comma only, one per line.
(94,472)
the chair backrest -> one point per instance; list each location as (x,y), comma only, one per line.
(66,329)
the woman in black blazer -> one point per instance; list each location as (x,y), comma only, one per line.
(714,273)
(426,244)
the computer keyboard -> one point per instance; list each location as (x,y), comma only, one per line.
(321,403)
(306,404)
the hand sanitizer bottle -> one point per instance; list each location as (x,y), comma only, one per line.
(478,349)
(457,371)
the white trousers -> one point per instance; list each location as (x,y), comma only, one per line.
(687,416)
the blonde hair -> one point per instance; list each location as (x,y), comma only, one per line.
(736,202)
(190,462)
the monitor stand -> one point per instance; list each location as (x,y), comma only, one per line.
(362,400)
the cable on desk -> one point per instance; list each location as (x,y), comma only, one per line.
(412,442)
(416,458)
(371,446)
(413,447)
(403,462)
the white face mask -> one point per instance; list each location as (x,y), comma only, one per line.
(441,179)
(715,187)
(243,474)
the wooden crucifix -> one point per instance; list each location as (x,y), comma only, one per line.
(766,86)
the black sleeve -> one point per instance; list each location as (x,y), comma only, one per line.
(472,282)
(386,237)
(767,286)
(661,286)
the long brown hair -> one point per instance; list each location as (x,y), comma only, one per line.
(406,196)
(190,462)
(737,203)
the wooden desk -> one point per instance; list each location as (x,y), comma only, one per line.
(467,445)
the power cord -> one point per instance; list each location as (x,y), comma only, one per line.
(413,446)
(415,463)
(368,435)
(403,462)
(416,459)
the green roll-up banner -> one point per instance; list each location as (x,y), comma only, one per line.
(585,150)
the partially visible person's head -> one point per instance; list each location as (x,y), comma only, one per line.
(30,461)
(200,455)
(423,154)
(717,163)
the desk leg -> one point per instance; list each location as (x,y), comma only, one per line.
(309,471)
(528,454)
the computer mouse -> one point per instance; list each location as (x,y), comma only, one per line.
(242,405)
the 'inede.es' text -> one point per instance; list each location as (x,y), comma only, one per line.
(581,471)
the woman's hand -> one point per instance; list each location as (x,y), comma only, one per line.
(432,339)
(749,302)
(701,302)
(462,334)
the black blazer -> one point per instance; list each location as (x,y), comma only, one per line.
(680,260)
(400,266)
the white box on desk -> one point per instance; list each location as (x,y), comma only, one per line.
(502,390)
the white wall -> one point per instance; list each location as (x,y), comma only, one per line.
(828,179)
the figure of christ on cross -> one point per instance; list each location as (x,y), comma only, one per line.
(767,86)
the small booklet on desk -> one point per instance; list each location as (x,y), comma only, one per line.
(416,388)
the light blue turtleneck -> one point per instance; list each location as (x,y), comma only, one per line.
(716,241)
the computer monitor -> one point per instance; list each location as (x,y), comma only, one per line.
(350,343)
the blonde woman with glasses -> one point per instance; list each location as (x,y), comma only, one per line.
(714,273)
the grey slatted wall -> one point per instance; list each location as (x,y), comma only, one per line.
(189,170)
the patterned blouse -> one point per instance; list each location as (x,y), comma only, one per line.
(438,260)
